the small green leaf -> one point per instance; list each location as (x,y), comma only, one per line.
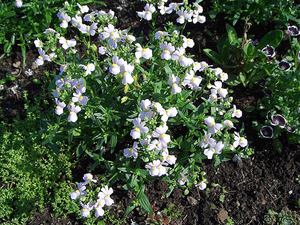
(272,38)
(232,35)
(144,201)
(212,55)
(168,70)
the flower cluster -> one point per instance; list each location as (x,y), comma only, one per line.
(85,195)
(70,91)
(150,132)
(185,12)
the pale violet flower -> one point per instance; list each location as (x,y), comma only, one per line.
(188,43)
(132,152)
(78,97)
(112,34)
(145,53)
(38,43)
(149,9)
(138,129)
(102,50)
(99,208)
(73,110)
(160,133)
(160,34)
(156,168)
(105,194)
(88,177)
(86,209)
(64,19)
(79,192)
(42,57)
(115,68)
(228,124)
(59,109)
(206,140)
(167,49)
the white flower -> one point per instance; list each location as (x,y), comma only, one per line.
(19,3)
(202,185)
(188,43)
(105,194)
(99,208)
(88,177)
(131,152)
(59,109)
(170,159)
(199,19)
(86,29)
(115,68)
(145,53)
(217,87)
(183,179)
(83,9)
(192,81)
(179,55)
(239,141)
(138,129)
(174,82)
(166,114)
(168,49)
(67,43)
(149,9)
(127,78)
(213,127)
(228,123)
(181,18)
(38,43)
(156,168)
(206,140)
(160,133)
(146,107)
(236,112)
(214,148)
(73,112)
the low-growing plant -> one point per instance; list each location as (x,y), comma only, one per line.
(22,21)
(256,11)
(244,58)
(284,217)
(140,109)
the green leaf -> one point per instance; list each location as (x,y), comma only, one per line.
(272,38)
(168,70)
(144,201)
(232,35)
(130,208)
(212,55)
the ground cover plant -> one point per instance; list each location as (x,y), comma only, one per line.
(118,118)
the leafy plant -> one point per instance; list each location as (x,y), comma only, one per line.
(243,58)
(139,109)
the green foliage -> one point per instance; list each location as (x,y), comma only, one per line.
(242,58)
(22,25)
(256,11)
(29,171)
(285,217)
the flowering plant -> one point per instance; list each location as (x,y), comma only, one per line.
(140,109)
